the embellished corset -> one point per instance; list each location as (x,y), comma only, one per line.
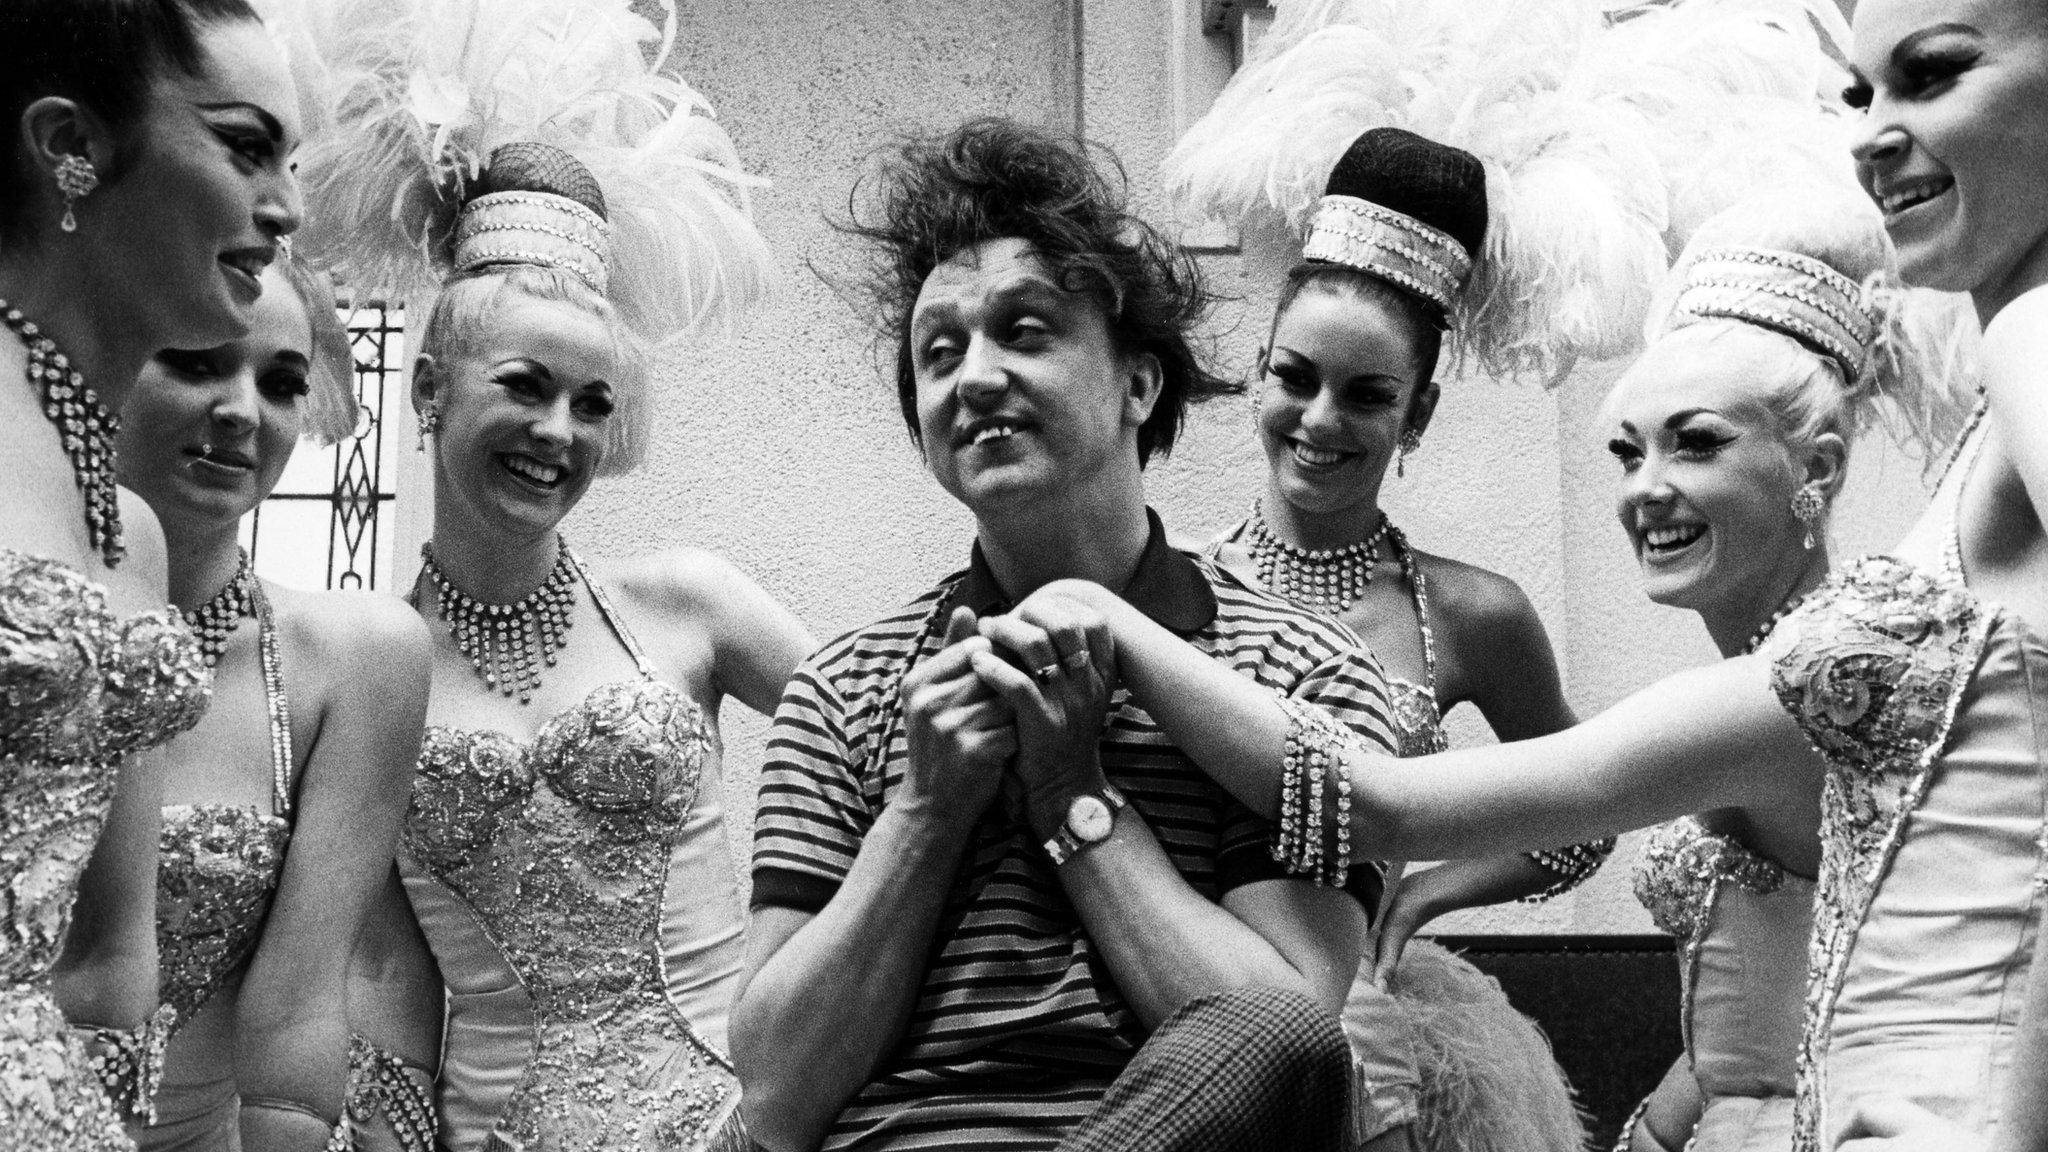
(1418,728)
(560,852)
(1742,924)
(218,871)
(1886,670)
(80,689)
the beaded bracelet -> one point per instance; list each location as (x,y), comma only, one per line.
(1312,764)
(380,1084)
(1572,865)
(130,1062)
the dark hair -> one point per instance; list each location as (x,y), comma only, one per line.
(1442,186)
(104,54)
(996,179)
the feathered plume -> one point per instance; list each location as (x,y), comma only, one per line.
(419,93)
(1599,137)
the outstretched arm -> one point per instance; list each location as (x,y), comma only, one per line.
(292,1024)
(1164,942)
(1708,738)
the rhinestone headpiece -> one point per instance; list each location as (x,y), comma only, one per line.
(1785,292)
(1391,245)
(533,228)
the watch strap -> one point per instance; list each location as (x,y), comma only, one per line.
(1064,845)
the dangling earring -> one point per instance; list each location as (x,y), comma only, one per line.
(1807,508)
(76,177)
(1410,441)
(430,424)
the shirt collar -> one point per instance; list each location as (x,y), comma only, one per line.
(1168,586)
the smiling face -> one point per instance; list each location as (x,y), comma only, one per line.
(1340,387)
(1955,136)
(205,435)
(524,410)
(1021,394)
(203,192)
(1707,477)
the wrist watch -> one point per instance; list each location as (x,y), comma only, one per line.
(1091,817)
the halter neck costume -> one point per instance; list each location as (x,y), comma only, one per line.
(579,898)
(1930,706)
(217,874)
(81,688)
(1443,1005)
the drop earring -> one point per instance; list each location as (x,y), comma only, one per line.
(1807,507)
(430,424)
(1410,441)
(76,178)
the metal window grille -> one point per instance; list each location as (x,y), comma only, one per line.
(328,523)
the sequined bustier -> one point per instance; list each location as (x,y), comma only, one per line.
(219,864)
(80,689)
(219,869)
(1742,924)
(1931,710)
(562,851)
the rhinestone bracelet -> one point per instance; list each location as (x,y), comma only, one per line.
(1313,763)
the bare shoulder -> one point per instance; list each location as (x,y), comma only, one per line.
(355,630)
(148,558)
(2020,327)
(677,582)
(1472,599)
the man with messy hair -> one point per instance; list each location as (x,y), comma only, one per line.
(994,905)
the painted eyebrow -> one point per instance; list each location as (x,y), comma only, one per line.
(1678,418)
(534,366)
(271,127)
(1906,45)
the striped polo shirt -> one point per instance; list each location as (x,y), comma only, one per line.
(1019,1027)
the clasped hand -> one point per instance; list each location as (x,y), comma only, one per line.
(1027,691)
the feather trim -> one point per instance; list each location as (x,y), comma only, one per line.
(422,91)
(1593,135)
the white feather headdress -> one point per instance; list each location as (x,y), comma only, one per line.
(1595,135)
(418,94)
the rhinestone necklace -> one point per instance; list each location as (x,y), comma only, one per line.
(217,619)
(84,424)
(1326,580)
(1764,631)
(508,643)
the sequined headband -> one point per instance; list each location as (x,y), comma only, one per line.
(1390,245)
(533,228)
(1785,292)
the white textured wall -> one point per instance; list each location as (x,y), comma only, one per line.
(783,449)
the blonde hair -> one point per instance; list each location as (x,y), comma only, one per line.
(331,404)
(468,302)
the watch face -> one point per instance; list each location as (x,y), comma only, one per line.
(1089,819)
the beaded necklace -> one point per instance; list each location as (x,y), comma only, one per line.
(1326,580)
(508,643)
(1763,632)
(216,620)
(85,426)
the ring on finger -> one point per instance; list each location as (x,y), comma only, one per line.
(1046,673)
(1078,660)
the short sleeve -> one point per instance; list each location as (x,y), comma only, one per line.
(810,816)
(1348,685)
(1351,688)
